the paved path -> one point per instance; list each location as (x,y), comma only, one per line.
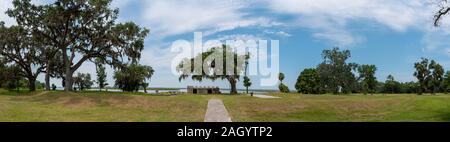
(216,112)
(266,97)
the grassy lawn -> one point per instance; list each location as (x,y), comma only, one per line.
(137,107)
(96,106)
(351,108)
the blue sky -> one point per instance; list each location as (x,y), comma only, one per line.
(390,34)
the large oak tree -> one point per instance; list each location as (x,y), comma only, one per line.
(215,66)
(335,73)
(17,45)
(81,30)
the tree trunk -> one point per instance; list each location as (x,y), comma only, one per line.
(232,81)
(47,76)
(47,81)
(32,83)
(68,81)
(246,89)
(68,73)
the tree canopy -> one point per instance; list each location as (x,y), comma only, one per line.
(17,45)
(335,73)
(308,82)
(83,81)
(367,78)
(133,76)
(81,30)
(215,66)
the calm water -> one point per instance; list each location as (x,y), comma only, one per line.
(225,91)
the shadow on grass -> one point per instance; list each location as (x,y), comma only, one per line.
(75,98)
(445,116)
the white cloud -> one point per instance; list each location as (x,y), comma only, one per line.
(120,3)
(4,5)
(329,19)
(173,17)
(277,33)
(158,57)
(243,37)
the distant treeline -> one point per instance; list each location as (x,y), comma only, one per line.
(336,75)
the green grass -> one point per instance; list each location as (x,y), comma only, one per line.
(349,108)
(59,106)
(101,107)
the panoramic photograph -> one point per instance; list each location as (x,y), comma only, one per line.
(259,61)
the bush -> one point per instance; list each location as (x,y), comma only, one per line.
(283,88)
(308,82)
(53,87)
(83,81)
(131,77)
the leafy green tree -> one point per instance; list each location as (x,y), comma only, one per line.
(101,76)
(436,76)
(56,69)
(83,81)
(21,48)
(391,86)
(247,83)
(2,71)
(131,77)
(367,77)
(409,87)
(12,78)
(283,88)
(447,82)
(215,69)
(82,29)
(308,82)
(335,73)
(430,76)
(281,77)
(423,75)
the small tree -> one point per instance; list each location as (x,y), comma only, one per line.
(391,86)
(283,88)
(83,81)
(447,82)
(367,77)
(308,82)
(130,77)
(247,83)
(53,87)
(12,78)
(422,74)
(430,76)
(101,76)
(436,77)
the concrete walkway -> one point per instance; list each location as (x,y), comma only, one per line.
(266,97)
(216,112)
